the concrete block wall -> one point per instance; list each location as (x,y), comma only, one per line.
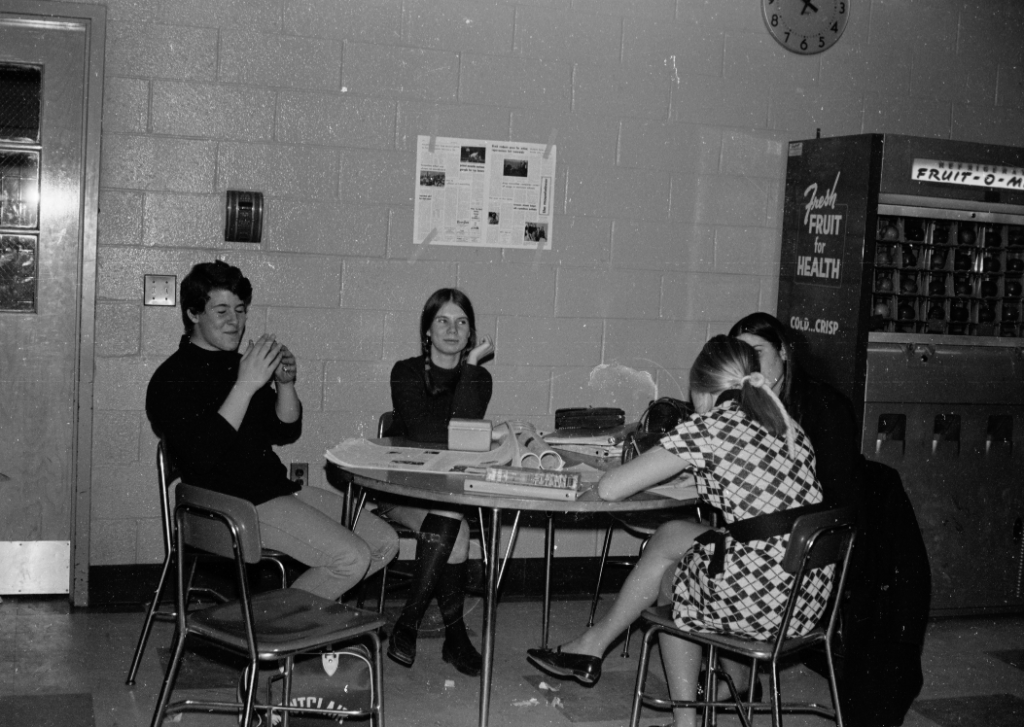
(671,119)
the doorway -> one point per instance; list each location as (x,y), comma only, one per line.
(51,71)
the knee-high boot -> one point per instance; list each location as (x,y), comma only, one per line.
(451,595)
(437,538)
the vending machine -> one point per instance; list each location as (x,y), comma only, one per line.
(901,270)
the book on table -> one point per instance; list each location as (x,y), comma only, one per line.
(535,478)
(509,489)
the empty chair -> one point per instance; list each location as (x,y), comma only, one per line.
(167,476)
(270,626)
(816,540)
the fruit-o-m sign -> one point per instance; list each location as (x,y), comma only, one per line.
(821,239)
(996,176)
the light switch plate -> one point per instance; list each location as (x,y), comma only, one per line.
(159,289)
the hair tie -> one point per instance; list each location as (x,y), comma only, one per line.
(756,379)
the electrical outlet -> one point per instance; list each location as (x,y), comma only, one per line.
(299,472)
(159,289)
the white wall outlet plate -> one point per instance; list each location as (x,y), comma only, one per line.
(159,289)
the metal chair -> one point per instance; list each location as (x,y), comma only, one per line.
(167,476)
(816,540)
(270,626)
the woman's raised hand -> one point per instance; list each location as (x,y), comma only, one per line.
(287,371)
(259,362)
(482,349)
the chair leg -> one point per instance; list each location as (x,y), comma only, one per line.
(286,691)
(383,589)
(170,677)
(641,677)
(377,683)
(832,684)
(710,718)
(773,688)
(252,672)
(751,686)
(147,625)
(600,573)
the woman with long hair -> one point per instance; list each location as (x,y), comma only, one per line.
(825,414)
(444,382)
(749,458)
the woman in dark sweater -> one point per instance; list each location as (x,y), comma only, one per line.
(825,414)
(427,391)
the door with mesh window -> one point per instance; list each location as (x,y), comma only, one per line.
(47,254)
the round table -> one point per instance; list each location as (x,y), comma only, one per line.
(444,489)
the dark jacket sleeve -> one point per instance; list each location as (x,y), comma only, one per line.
(473,393)
(424,418)
(827,418)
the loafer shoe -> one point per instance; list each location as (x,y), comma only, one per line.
(581,667)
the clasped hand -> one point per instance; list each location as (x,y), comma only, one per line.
(265,358)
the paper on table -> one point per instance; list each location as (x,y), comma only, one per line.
(519,451)
(364,454)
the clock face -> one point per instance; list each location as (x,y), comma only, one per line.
(806,26)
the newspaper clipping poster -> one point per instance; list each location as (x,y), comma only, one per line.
(484,193)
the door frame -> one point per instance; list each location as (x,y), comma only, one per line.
(93,21)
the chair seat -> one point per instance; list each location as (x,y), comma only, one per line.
(753,648)
(287,621)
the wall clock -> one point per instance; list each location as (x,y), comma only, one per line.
(806,26)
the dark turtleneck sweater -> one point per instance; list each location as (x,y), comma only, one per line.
(182,404)
(423,417)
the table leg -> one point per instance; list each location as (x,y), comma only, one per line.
(549,547)
(490,602)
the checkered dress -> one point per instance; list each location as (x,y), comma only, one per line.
(744,471)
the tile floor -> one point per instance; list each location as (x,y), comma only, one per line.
(48,649)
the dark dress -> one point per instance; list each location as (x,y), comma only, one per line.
(744,471)
(423,417)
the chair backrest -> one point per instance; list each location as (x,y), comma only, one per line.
(166,476)
(214,522)
(819,539)
(385,424)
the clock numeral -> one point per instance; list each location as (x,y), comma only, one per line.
(787,36)
(821,41)
(803,44)
(775,20)
(835,27)
(842,8)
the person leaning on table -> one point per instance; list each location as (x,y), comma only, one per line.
(220,412)
(749,458)
(446,381)
(825,414)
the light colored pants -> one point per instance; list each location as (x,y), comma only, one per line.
(307,526)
